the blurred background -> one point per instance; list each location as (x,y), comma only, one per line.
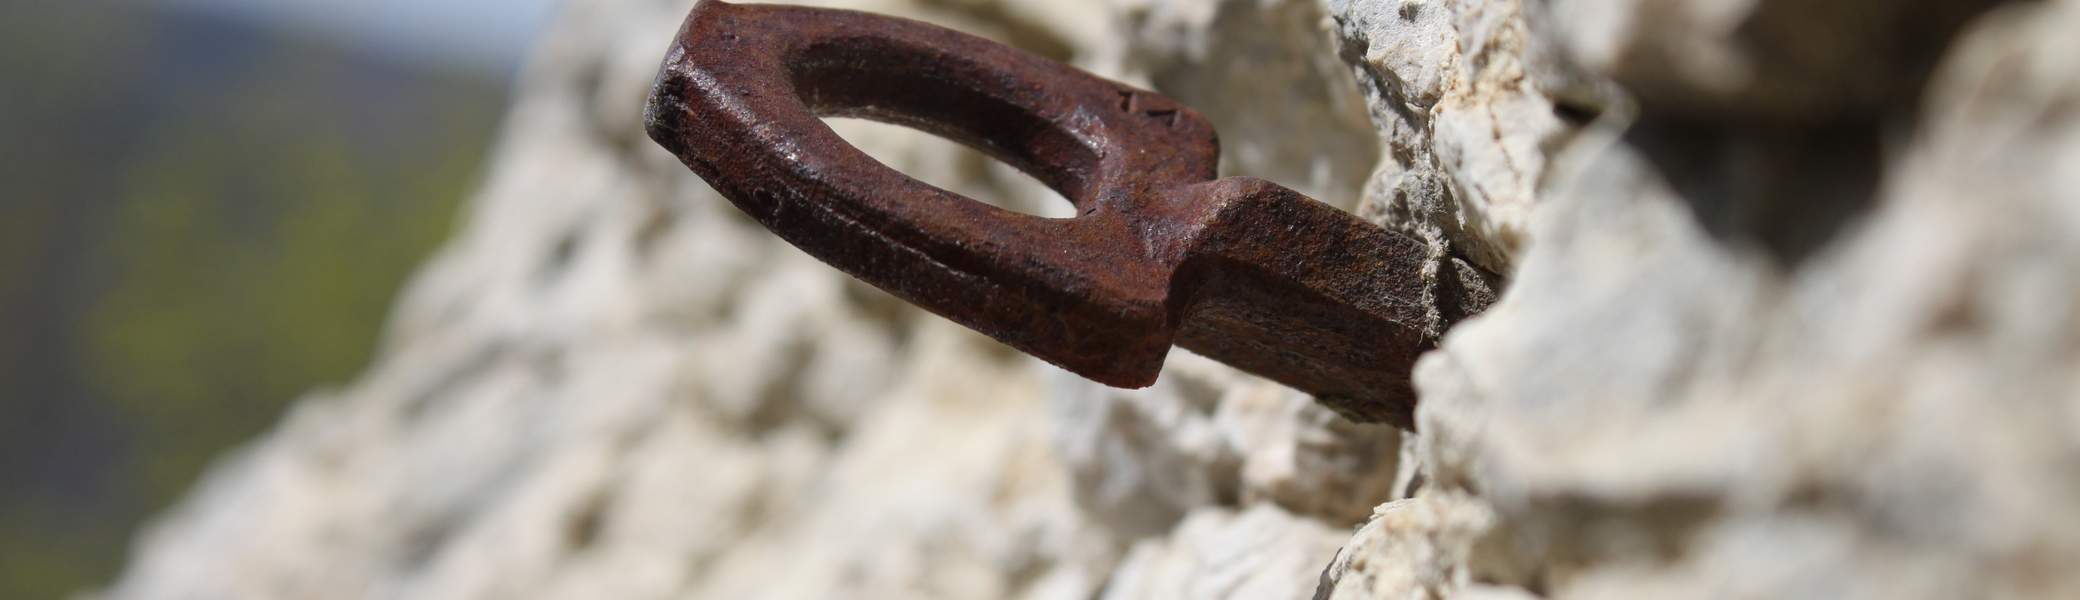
(206,207)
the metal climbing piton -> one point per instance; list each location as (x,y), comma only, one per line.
(1160,251)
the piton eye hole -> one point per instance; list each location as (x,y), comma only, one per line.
(953,167)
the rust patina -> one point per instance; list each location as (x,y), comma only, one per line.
(1160,252)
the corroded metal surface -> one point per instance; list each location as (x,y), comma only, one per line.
(1238,269)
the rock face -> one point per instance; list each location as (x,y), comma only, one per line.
(1797,327)
(1789,313)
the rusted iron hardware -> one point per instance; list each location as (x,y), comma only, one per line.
(1238,269)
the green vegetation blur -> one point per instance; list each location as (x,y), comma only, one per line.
(199,221)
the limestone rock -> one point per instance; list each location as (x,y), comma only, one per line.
(1413,548)
(1205,435)
(612,384)
(1469,108)
(1789,314)
(1267,78)
(1671,403)
(1218,554)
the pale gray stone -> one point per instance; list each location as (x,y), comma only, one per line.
(1787,310)
(1658,409)
(1218,554)
(611,384)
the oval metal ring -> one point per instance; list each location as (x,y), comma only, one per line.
(739,99)
(1242,270)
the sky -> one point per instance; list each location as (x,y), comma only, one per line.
(487,35)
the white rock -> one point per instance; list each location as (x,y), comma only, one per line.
(612,384)
(1699,384)
(1218,554)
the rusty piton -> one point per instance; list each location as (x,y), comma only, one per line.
(1160,252)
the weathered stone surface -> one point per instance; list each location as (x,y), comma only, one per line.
(1218,554)
(1666,407)
(1467,108)
(1205,435)
(1790,314)
(612,384)
(1231,60)
(1413,548)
